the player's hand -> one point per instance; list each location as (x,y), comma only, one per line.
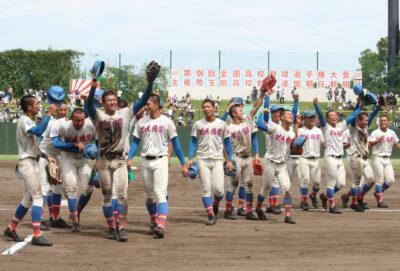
(129,163)
(257,158)
(315,100)
(51,160)
(95,84)
(265,110)
(51,109)
(295,96)
(229,165)
(189,163)
(380,139)
(80,146)
(185,171)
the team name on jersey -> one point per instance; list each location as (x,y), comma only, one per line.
(207,131)
(283,138)
(389,139)
(116,123)
(336,133)
(311,136)
(245,131)
(81,138)
(152,128)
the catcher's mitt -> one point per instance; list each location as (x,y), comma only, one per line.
(53,174)
(152,71)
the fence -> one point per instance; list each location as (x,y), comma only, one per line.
(8,142)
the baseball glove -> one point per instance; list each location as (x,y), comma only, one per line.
(152,71)
(268,83)
(53,174)
(258,169)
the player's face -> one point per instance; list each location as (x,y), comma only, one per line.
(333,118)
(287,117)
(276,115)
(151,106)
(110,103)
(78,120)
(362,122)
(238,112)
(62,111)
(383,123)
(309,122)
(208,110)
(34,107)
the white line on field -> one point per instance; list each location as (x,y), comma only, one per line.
(17,246)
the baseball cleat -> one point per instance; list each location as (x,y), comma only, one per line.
(363,204)
(122,235)
(12,234)
(41,241)
(112,234)
(289,220)
(211,220)
(334,210)
(304,206)
(215,209)
(61,224)
(382,205)
(152,227)
(356,207)
(324,201)
(44,225)
(251,216)
(269,210)
(345,200)
(261,215)
(241,212)
(159,232)
(229,215)
(76,227)
(314,201)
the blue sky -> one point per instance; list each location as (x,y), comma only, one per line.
(133,27)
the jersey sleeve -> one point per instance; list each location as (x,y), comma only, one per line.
(136,131)
(226,131)
(171,129)
(54,129)
(372,136)
(194,130)
(28,124)
(395,138)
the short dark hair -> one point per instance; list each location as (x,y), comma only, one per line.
(122,103)
(155,99)
(361,115)
(232,109)
(329,111)
(107,93)
(384,116)
(208,101)
(26,101)
(78,111)
(283,112)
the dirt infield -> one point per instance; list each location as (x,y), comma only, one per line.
(350,241)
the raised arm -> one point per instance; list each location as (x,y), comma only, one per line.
(353,116)
(319,113)
(91,108)
(295,108)
(254,142)
(257,104)
(261,123)
(373,114)
(266,106)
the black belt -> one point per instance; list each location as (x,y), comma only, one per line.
(336,156)
(362,156)
(273,162)
(112,155)
(149,157)
(294,157)
(244,156)
(311,158)
(385,156)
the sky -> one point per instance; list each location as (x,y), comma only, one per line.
(133,27)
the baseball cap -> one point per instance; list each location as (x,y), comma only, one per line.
(308,114)
(276,108)
(237,100)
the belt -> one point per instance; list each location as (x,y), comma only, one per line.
(112,155)
(336,156)
(294,157)
(364,157)
(273,162)
(384,156)
(244,156)
(311,157)
(149,157)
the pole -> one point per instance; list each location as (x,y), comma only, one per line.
(268,61)
(219,67)
(317,61)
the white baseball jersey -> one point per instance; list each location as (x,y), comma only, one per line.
(334,138)
(281,139)
(358,140)
(113,130)
(383,148)
(241,136)
(155,135)
(314,140)
(52,131)
(85,135)
(210,136)
(26,142)
(267,136)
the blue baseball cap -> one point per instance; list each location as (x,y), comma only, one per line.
(237,100)
(55,94)
(91,151)
(276,108)
(308,114)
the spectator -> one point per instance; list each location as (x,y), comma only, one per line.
(278,94)
(282,98)
(343,95)
(254,93)
(336,95)
(293,90)
(329,95)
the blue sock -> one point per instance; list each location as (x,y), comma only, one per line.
(48,201)
(217,199)
(366,188)
(304,191)
(108,211)
(315,189)
(242,192)
(336,189)
(249,197)
(229,196)
(330,193)
(162,208)
(36,213)
(20,212)
(207,202)
(55,199)
(354,192)
(378,188)
(260,198)
(274,191)
(72,205)
(287,199)
(83,200)
(385,186)
(114,204)
(151,207)
(122,209)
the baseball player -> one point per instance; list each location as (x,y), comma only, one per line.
(156,131)
(333,134)
(28,155)
(48,152)
(71,139)
(310,170)
(281,139)
(243,135)
(276,111)
(210,135)
(381,141)
(112,127)
(358,159)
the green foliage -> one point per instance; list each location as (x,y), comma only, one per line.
(39,69)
